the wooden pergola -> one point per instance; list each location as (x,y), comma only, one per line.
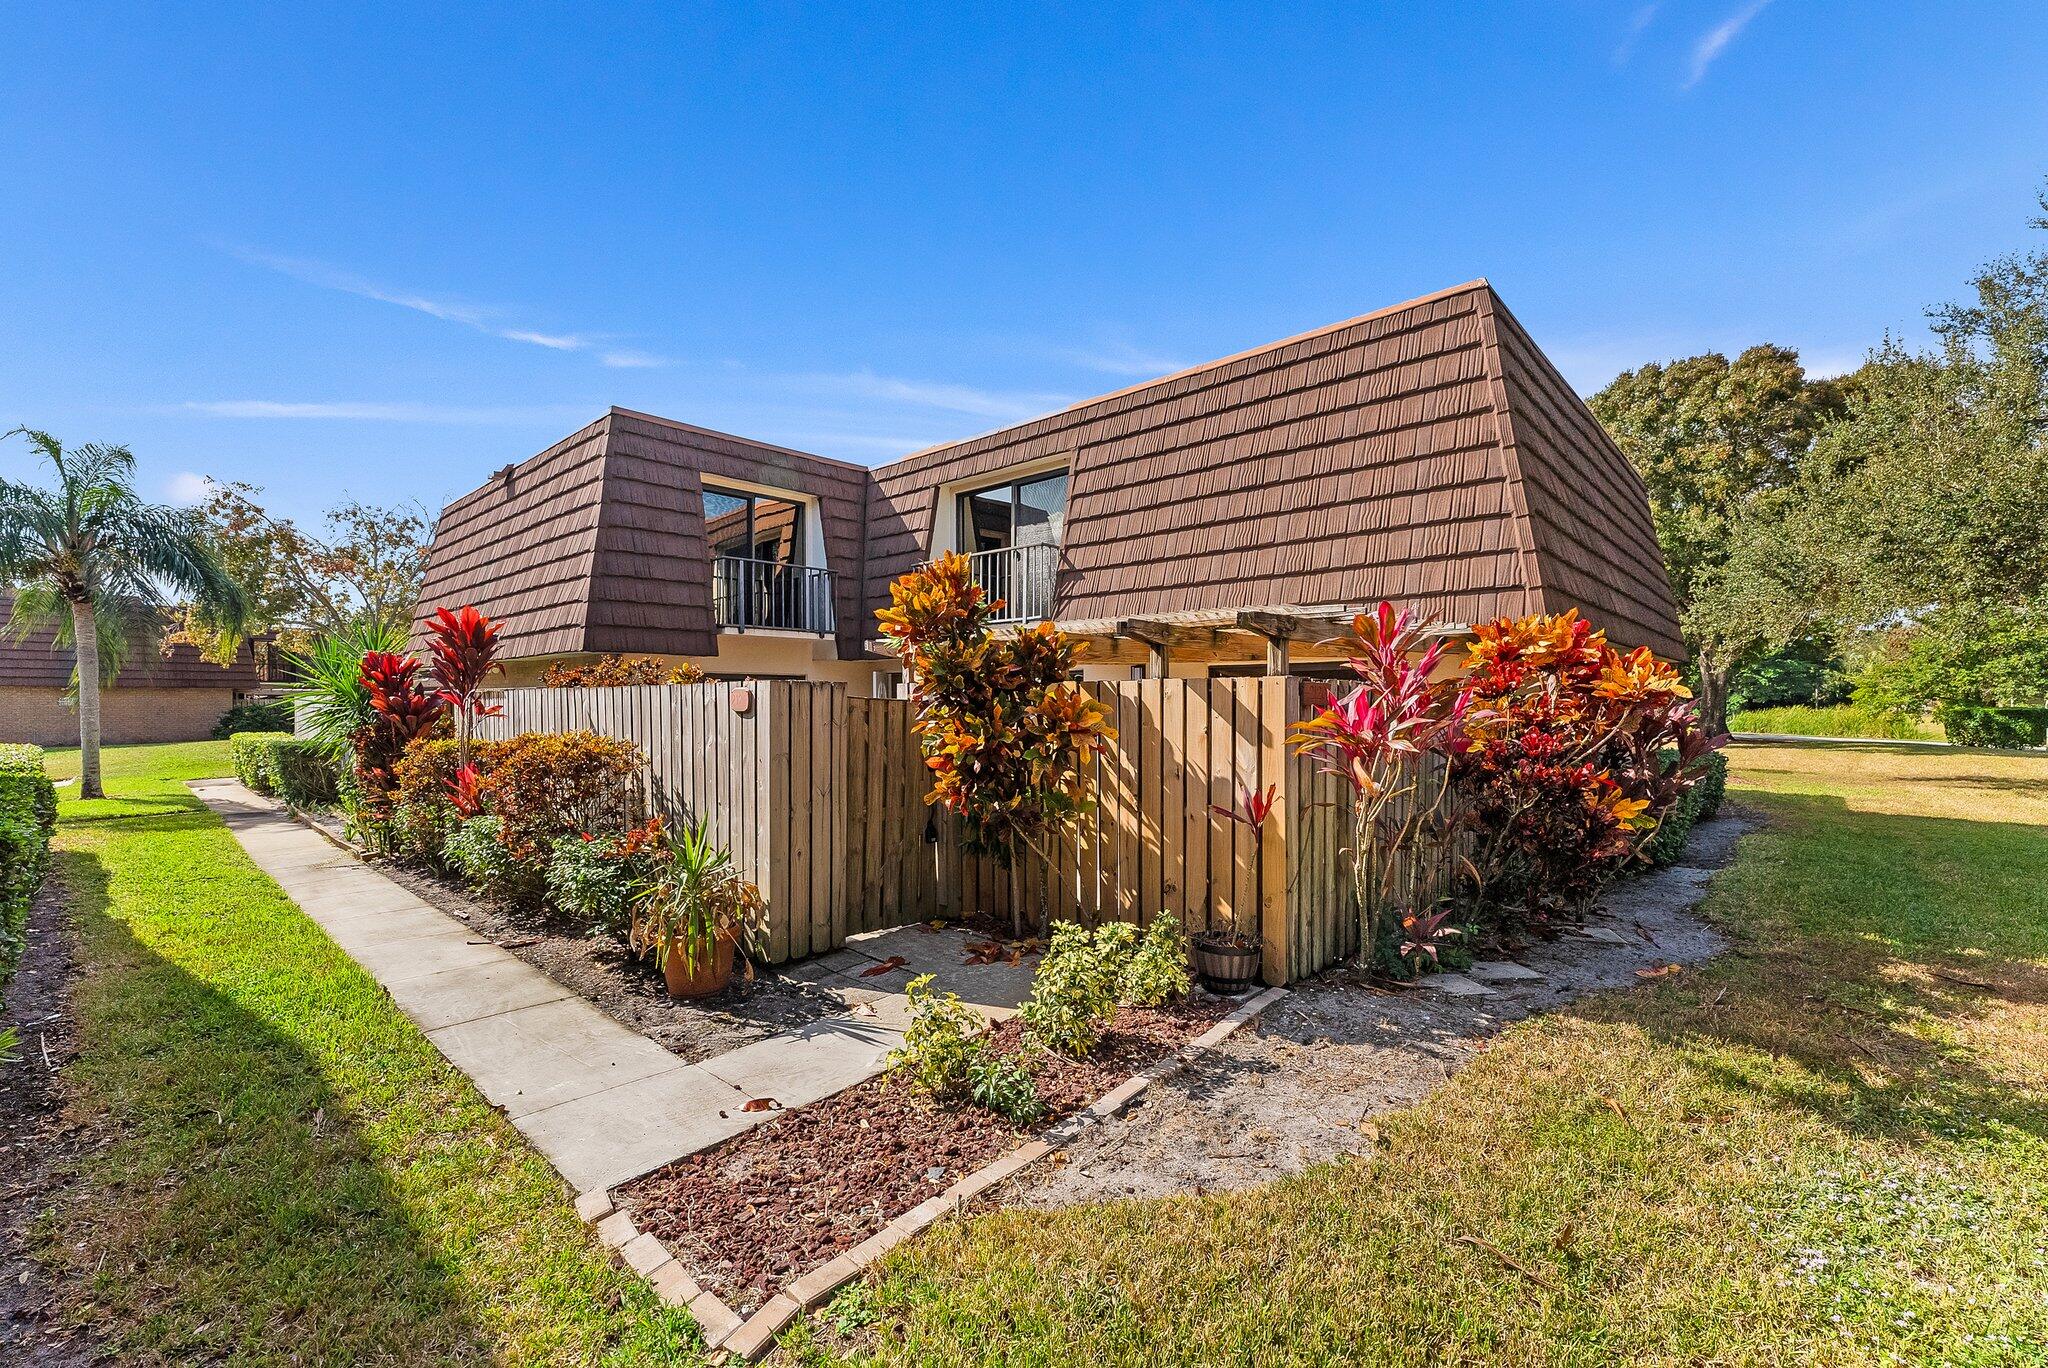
(1282,636)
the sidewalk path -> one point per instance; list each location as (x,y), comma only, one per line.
(603,1103)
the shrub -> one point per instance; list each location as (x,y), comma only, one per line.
(257,715)
(591,879)
(2001,728)
(946,1055)
(28,814)
(1711,784)
(1004,1086)
(547,785)
(1563,771)
(475,849)
(1074,991)
(421,815)
(613,671)
(1157,971)
(250,753)
(1005,735)
(1847,719)
(283,766)
(940,1046)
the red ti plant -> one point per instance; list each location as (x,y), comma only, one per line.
(1380,738)
(464,645)
(405,710)
(465,794)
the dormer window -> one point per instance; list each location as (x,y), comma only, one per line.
(1027,512)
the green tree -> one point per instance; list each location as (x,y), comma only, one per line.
(362,570)
(1716,443)
(1925,514)
(91,559)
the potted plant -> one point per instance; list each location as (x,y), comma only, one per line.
(1228,962)
(694,911)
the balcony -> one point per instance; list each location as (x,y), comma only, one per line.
(771,594)
(1021,576)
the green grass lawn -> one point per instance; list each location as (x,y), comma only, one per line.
(291,1173)
(1845,719)
(1825,1147)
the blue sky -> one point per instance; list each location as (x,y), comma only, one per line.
(377,251)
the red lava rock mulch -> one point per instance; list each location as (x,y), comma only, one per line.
(751,1215)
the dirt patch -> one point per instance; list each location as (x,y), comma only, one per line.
(751,1215)
(1295,1089)
(36,1141)
(599,969)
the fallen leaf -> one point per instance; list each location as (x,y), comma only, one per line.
(1531,1274)
(1615,1107)
(761,1104)
(893,962)
(1665,972)
(1369,1131)
(1565,1232)
(983,952)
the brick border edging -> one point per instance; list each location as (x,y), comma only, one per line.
(749,1337)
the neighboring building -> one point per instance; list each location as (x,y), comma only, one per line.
(175,694)
(1225,519)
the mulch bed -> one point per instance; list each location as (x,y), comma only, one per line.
(755,1213)
(37,1142)
(600,969)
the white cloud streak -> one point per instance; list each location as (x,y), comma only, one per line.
(979,403)
(1637,23)
(1716,40)
(1125,361)
(479,317)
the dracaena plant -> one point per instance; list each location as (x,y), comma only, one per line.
(1567,773)
(402,710)
(1385,738)
(464,647)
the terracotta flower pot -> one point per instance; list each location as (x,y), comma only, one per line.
(709,975)
(1226,963)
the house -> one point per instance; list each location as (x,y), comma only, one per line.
(172,694)
(1223,520)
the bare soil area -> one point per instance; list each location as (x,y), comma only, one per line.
(759,1211)
(1301,1085)
(36,1140)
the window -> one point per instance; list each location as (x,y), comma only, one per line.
(1027,512)
(754,526)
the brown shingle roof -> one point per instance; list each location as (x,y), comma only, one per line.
(598,543)
(1427,453)
(37,662)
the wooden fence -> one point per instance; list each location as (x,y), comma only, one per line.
(820,797)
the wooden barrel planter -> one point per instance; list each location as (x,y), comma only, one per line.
(1226,963)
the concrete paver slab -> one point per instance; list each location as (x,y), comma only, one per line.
(552,1052)
(609,1137)
(814,1061)
(1502,971)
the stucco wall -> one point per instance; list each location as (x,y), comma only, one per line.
(126,715)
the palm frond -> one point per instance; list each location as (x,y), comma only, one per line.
(327,692)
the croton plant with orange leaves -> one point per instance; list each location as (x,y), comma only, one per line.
(1004,732)
(1574,752)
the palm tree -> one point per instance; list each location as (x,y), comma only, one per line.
(91,559)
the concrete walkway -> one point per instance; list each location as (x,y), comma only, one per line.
(604,1103)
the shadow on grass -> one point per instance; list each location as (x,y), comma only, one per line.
(240,1209)
(1869,963)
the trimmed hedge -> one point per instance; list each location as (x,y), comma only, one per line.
(1699,804)
(280,764)
(2003,728)
(28,814)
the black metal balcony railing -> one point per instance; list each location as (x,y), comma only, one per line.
(762,593)
(1021,576)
